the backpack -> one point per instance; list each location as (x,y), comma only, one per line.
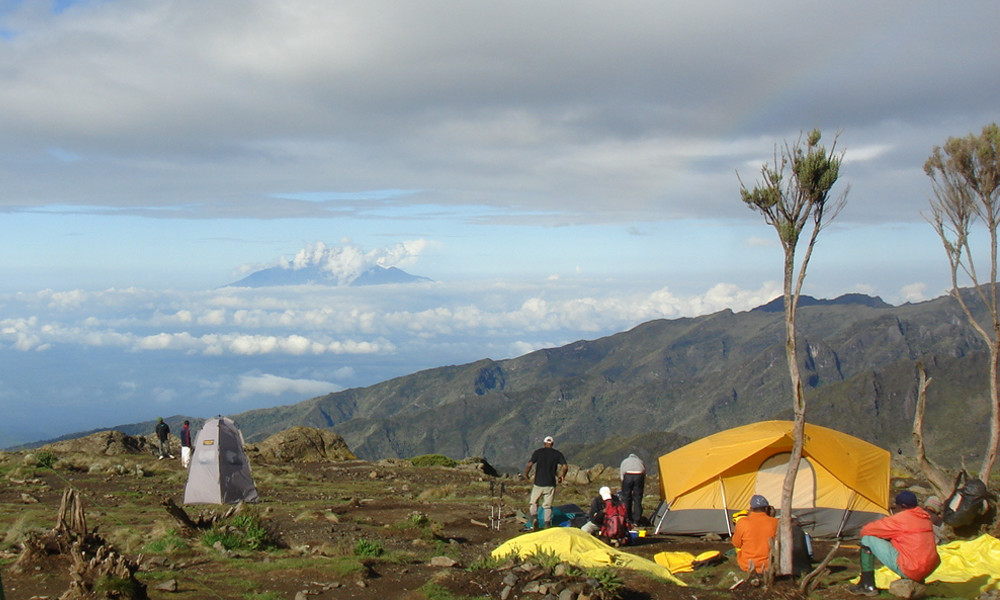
(615,527)
(967,503)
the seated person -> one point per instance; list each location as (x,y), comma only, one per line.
(903,541)
(596,513)
(752,536)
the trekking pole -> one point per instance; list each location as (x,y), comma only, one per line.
(499,509)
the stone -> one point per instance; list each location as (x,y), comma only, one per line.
(907,589)
(505,592)
(443,561)
(170,585)
(567,594)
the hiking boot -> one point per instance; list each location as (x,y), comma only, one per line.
(907,589)
(860,589)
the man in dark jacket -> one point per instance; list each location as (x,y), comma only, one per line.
(550,469)
(595,516)
(186,444)
(162,431)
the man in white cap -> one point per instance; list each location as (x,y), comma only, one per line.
(596,513)
(550,469)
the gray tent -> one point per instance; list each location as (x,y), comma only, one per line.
(220,471)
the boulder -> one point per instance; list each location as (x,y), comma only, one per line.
(301,444)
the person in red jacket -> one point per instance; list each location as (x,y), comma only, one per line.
(903,541)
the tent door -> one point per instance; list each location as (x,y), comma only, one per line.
(771,478)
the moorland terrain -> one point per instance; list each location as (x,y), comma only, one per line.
(328,526)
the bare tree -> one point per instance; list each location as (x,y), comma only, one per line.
(965,180)
(794,197)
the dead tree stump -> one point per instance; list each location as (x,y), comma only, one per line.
(97,570)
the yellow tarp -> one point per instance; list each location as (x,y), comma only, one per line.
(967,569)
(581,549)
(682,562)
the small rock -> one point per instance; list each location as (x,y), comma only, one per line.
(907,589)
(567,594)
(300,595)
(28,499)
(170,585)
(505,592)
(510,579)
(533,587)
(443,561)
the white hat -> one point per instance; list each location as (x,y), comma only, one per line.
(548,439)
(605,493)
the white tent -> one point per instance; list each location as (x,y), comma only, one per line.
(220,471)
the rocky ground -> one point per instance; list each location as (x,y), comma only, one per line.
(326,527)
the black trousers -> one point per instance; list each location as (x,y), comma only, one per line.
(633,486)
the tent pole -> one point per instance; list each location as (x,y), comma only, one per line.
(847,512)
(725,507)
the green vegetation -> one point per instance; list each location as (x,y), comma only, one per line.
(608,579)
(368,548)
(546,559)
(262,596)
(117,587)
(170,543)
(433,460)
(46,459)
(436,591)
(245,531)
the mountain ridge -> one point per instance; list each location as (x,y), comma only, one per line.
(665,382)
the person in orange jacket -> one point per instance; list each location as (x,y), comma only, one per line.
(752,536)
(903,541)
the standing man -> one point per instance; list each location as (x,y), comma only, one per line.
(632,473)
(186,444)
(903,541)
(162,431)
(752,536)
(550,469)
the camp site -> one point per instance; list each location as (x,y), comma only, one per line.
(298,516)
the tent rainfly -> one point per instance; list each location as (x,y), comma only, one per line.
(842,482)
(219,471)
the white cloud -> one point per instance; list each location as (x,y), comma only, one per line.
(273,385)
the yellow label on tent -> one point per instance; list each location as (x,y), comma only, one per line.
(208,443)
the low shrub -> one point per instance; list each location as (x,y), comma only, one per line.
(368,548)
(433,460)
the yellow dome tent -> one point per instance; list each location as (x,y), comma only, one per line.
(842,483)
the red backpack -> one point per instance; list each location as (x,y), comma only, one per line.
(615,527)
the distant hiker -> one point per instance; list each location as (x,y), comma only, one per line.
(162,431)
(595,515)
(633,476)
(752,536)
(186,444)
(903,541)
(550,469)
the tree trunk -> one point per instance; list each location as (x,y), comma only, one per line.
(937,476)
(784,566)
(990,456)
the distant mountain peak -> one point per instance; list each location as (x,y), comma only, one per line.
(778,304)
(315,275)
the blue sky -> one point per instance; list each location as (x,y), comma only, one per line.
(560,174)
